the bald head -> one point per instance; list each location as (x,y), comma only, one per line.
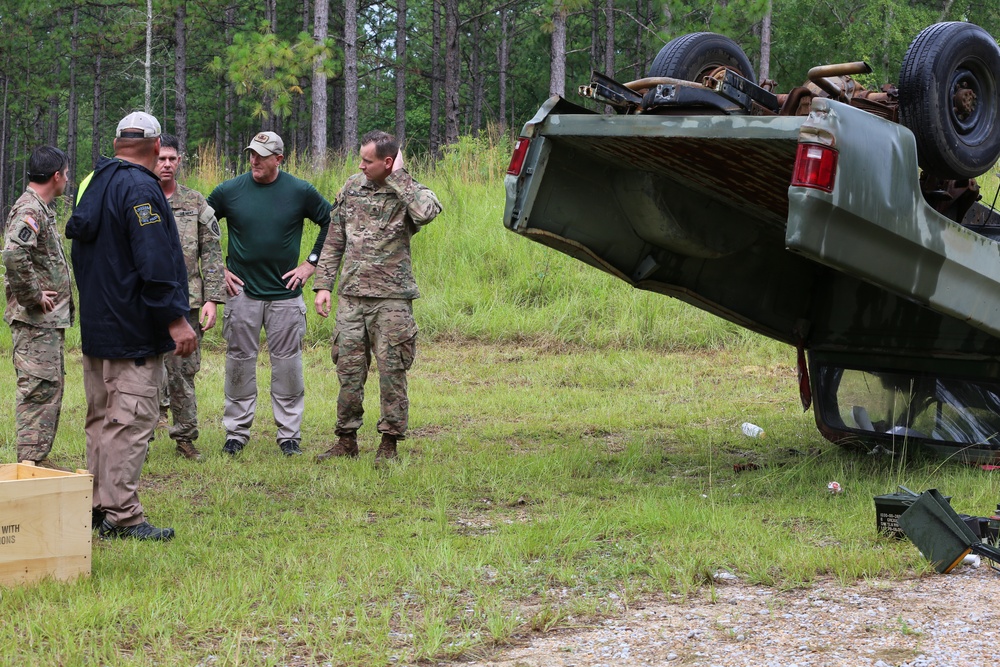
(144,151)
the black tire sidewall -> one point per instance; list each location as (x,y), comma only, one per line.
(688,56)
(925,99)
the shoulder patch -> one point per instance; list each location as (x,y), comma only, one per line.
(31,222)
(215,228)
(25,234)
(146,215)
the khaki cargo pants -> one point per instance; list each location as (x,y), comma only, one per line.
(284,322)
(122,409)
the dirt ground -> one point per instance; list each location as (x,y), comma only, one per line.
(933,621)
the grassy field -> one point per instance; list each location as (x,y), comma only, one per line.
(574,448)
(540,487)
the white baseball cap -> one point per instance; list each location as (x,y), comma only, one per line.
(138,125)
(267,143)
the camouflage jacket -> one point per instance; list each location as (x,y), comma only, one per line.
(369,238)
(34,258)
(200,234)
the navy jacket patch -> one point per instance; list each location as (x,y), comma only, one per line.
(145,214)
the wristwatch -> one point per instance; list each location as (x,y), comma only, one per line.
(313,259)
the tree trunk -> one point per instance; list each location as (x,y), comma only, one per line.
(639,27)
(647,57)
(503,56)
(945,8)
(889,16)
(764,71)
(271,14)
(476,76)
(400,72)
(317,141)
(336,112)
(350,76)
(595,12)
(434,141)
(95,131)
(52,135)
(180,75)
(4,119)
(609,38)
(71,107)
(147,99)
(230,101)
(451,71)
(270,122)
(557,71)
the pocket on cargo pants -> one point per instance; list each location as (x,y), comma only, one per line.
(135,405)
(402,347)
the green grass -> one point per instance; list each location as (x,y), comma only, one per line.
(536,485)
(572,451)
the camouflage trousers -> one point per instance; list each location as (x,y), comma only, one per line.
(385,327)
(179,384)
(38,363)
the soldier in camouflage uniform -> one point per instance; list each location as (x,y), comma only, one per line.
(39,304)
(199,233)
(376,213)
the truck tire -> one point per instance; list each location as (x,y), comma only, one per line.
(692,57)
(949,99)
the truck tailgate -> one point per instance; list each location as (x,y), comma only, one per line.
(689,206)
(745,161)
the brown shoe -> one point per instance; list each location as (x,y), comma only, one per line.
(386,449)
(45,463)
(187,449)
(164,421)
(347,445)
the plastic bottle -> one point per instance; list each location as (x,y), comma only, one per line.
(754,431)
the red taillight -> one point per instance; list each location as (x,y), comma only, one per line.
(517,159)
(815,167)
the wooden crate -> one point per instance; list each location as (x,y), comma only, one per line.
(44,523)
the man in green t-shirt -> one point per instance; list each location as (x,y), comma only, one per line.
(265,210)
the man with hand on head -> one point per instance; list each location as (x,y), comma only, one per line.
(265,210)
(134,305)
(199,234)
(39,304)
(375,215)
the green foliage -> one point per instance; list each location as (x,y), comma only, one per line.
(735,18)
(266,70)
(241,75)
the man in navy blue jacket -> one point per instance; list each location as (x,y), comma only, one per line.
(132,280)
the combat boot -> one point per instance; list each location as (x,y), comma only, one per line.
(386,450)
(347,445)
(187,449)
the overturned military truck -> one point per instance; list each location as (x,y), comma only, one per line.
(844,221)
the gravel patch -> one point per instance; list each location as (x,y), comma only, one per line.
(936,620)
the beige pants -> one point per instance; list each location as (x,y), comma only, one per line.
(122,409)
(284,323)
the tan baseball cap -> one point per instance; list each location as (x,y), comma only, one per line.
(138,125)
(267,143)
